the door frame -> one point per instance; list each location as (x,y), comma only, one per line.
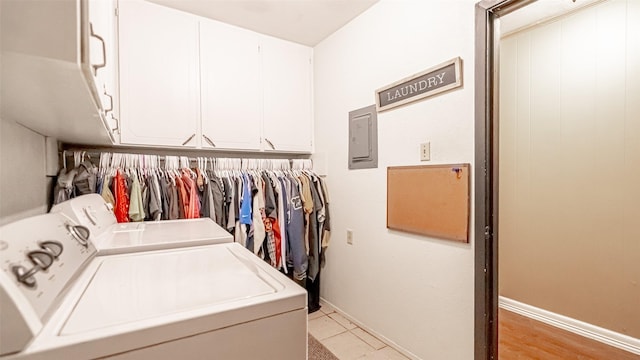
(487,42)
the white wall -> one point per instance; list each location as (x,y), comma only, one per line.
(415,291)
(23,183)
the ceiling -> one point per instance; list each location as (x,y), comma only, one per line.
(303,21)
(538,12)
(309,22)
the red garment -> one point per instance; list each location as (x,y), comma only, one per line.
(184,198)
(278,237)
(121,210)
(192,208)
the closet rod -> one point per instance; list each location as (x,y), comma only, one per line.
(95,154)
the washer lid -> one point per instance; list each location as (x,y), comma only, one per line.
(144,236)
(130,288)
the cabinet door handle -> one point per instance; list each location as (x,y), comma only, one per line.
(270,143)
(104,51)
(189,139)
(206,138)
(115,130)
(110,101)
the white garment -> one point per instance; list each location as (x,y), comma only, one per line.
(259,231)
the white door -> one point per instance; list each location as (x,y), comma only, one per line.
(287,96)
(231,97)
(159,82)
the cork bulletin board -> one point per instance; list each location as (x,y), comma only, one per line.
(429,200)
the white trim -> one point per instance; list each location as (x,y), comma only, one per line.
(581,328)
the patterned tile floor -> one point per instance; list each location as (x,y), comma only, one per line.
(345,339)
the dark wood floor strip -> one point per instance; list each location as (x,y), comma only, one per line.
(523,338)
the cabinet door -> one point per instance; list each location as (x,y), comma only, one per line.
(287,96)
(231,88)
(102,42)
(159,81)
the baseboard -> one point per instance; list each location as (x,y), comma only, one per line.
(581,328)
(364,327)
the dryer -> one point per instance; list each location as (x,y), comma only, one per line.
(61,301)
(111,237)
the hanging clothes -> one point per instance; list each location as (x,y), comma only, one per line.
(281,215)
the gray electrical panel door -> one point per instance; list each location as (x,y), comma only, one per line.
(363,138)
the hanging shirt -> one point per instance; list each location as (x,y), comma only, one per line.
(307,206)
(245,203)
(106,193)
(295,232)
(64,186)
(155,201)
(326,234)
(136,209)
(259,232)
(217,190)
(278,223)
(183,198)
(121,210)
(283,211)
(85,179)
(192,206)
(231,200)
(164,190)
(175,203)
(314,241)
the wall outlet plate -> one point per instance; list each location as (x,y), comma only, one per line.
(425,151)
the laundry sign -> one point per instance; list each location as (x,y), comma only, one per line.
(435,80)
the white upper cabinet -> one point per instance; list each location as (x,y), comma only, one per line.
(287,79)
(102,45)
(196,82)
(159,78)
(50,60)
(231,87)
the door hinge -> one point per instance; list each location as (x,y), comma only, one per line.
(115,11)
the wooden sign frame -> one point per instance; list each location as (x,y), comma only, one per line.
(433,81)
(430,200)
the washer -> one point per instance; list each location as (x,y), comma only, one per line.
(111,237)
(61,301)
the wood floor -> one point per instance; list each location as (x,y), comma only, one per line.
(524,338)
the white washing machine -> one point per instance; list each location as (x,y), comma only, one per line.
(111,237)
(60,301)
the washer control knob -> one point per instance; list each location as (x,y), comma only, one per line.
(53,247)
(80,233)
(41,258)
(25,276)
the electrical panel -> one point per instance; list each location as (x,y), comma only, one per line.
(363,138)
